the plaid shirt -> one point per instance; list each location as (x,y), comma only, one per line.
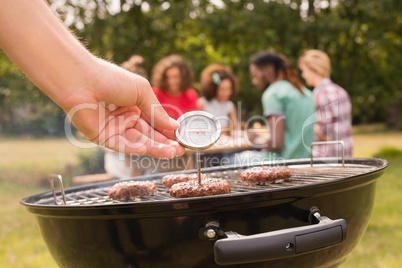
(334,118)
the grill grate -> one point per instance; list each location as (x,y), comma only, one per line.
(301,175)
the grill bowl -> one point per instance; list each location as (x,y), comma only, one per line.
(164,231)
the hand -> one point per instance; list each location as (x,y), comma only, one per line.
(117,109)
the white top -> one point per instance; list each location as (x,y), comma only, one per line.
(219,109)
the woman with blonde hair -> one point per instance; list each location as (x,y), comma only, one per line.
(334,109)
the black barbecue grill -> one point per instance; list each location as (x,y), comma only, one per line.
(313,220)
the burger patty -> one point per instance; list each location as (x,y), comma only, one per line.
(171,179)
(125,191)
(191,188)
(263,175)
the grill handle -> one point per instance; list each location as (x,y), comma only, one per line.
(238,249)
(328,143)
(57,177)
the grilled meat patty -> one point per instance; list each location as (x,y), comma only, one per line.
(171,179)
(129,190)
(191,188)
(262,175)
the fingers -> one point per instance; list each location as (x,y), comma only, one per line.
(165,149)
(141,138)
(156,143)
(134,142)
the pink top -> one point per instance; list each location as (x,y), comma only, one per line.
(176,105)
(334,117)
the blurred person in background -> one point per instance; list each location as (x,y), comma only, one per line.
(172,81)
(287,105)
(218,87)
(135,64)
(334,109)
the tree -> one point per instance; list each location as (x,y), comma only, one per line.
(361,37)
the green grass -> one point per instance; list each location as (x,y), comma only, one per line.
(25,164)
(30,161)
(368,140)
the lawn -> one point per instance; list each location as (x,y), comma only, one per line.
(369,139)
(24,165)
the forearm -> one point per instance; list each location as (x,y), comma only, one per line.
(276,140)
(233,118)
(42,47)
(320,135)
(273,146)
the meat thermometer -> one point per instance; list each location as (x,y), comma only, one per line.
(198,130)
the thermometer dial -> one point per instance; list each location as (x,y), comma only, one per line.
(198,130)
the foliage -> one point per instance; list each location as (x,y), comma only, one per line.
(389,152)
(363,39)
(24,110)
(39,120)
(90,163)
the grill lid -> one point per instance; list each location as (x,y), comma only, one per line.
(304,174)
